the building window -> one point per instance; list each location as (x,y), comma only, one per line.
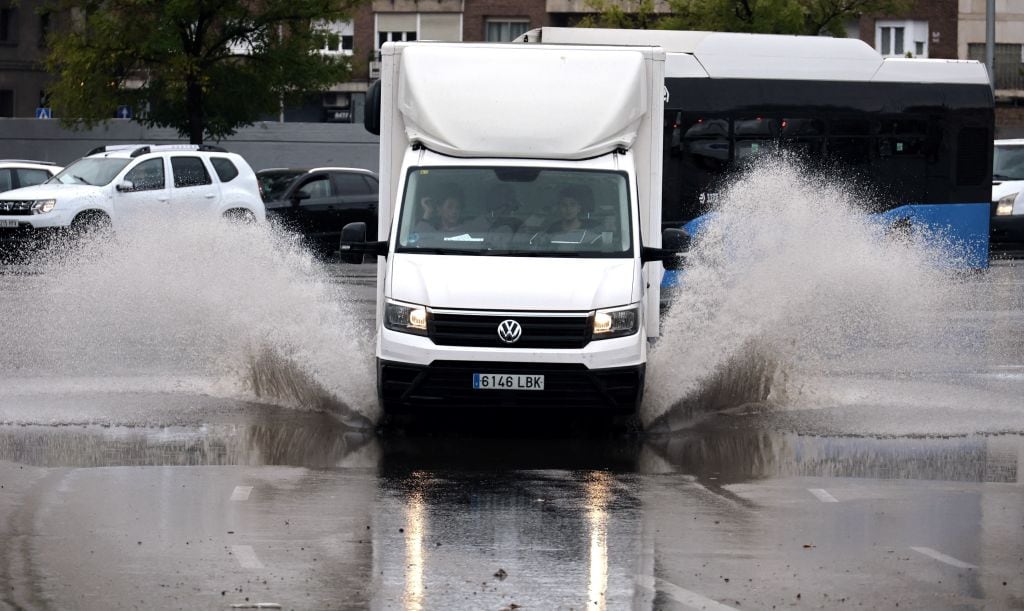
(1007,65)
(901,38)
(6,103)
(44,28)
(340,35)
(505,30)
(383,37)
(8,26)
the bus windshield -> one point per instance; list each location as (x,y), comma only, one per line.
(525,212)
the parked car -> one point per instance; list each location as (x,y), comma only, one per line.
(318,202)
(17,173)
(1006,230)
(114,184)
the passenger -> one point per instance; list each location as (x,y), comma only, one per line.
(449,211)
(428,214)
(574,203)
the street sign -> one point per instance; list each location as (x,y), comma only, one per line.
(43,113)
(124,112)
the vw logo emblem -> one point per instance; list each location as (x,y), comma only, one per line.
(509,331)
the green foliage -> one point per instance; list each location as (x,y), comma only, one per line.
(808,17)
(621,14)
(204,67)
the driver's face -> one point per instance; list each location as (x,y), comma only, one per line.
(570,208)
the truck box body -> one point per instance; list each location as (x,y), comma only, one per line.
(534,292)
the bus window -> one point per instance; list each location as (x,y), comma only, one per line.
(802,128)
(902,137)
(755,136)
(802,136)
(971,160)
(705,151)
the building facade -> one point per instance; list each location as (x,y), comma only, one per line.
(928,29)
(23,79)
(944,29)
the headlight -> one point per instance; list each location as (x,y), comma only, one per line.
(42,206)
(405,318)
(1005,205)
(617,322)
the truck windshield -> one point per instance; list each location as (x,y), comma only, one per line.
(524,212)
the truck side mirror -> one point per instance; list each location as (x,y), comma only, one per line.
(371,113)
(354,245)
(674,242)
(353,242)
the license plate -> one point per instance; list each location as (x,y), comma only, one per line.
(9,223)
(506,381)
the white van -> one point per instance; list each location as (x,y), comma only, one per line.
(520,219)
(1007,222)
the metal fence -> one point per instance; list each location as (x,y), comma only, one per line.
(1008,65)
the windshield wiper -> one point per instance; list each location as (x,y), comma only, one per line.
(77,177)
(437,251)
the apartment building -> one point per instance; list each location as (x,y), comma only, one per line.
(928,30)
(1008,64)
(23,79)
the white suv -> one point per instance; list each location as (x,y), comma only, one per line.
(115,184)
(17,173)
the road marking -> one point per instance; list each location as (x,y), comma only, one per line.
(951,561)
(246,556)
(241,493)
(685,597)
(823,495)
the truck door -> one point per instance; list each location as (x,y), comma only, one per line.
(194,192)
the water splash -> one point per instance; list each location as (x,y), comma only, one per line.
(791,280)
(245,309)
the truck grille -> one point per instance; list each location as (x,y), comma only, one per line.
(481,330)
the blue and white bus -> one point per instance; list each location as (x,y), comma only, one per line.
(917,132)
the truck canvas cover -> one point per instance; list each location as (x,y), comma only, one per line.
(492,102)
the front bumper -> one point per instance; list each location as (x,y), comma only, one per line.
(447,385)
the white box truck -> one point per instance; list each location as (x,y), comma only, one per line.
(520,225)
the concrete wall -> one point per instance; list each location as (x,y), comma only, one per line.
(265,145)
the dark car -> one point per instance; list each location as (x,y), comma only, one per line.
(318,202)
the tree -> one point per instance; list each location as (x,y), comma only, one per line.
(205,67)
(621,14)
(808,17)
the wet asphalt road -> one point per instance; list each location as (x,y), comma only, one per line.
(233,504)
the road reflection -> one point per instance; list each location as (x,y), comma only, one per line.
(457,521)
